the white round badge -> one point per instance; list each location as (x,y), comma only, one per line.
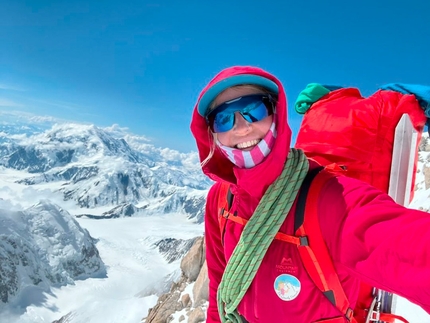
(287,287)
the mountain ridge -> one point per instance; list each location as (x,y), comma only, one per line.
(95,167)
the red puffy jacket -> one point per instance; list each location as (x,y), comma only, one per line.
(369,237)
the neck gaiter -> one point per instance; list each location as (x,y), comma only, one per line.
(253,157)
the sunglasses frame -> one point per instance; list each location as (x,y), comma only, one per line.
(269,100)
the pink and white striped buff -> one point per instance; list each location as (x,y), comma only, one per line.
(251,158)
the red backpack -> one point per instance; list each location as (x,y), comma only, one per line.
(359,133)
(355,136)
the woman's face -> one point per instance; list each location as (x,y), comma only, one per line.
(244,135)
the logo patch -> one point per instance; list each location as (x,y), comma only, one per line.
(287,287)
(287,266)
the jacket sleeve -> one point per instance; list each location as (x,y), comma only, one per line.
(214,252)
(379,241)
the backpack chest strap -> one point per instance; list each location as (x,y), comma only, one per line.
(226,215)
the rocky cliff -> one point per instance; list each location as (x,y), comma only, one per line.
(188,298)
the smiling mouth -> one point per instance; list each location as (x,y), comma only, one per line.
(247,144)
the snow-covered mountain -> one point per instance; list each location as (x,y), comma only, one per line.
(105,169)
(40,247)
(52,178)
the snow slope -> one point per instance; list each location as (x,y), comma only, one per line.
(134,266)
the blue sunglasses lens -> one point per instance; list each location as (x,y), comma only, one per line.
(252,108)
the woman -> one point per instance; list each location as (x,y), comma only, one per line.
(243,138)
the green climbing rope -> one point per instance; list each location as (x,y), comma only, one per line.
(258,234)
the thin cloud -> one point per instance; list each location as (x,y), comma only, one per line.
(75,108)
(32,101)
(29,117)
(135,141)
(9,103)
(9,87)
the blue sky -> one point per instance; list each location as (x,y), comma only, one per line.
(141,64)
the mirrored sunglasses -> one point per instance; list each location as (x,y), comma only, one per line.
(252,108)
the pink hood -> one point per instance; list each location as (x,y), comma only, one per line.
(257,179)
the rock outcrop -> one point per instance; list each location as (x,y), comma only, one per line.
(187,299)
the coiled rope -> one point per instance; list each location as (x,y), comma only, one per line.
(258,234)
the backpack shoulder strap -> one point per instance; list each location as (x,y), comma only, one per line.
(225,201)
(313,250)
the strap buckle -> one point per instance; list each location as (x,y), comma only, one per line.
(349,314)
(225,214)
(304,241)
(374,311)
